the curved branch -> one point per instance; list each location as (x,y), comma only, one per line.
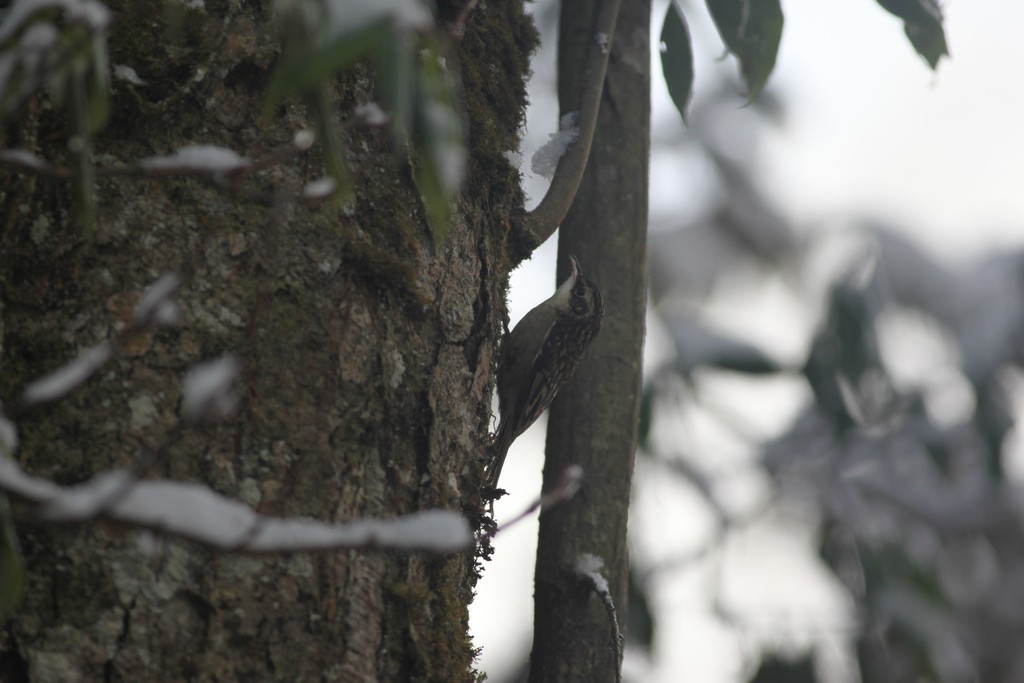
(540,223)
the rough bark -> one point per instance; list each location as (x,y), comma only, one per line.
(593,419)
(367,353)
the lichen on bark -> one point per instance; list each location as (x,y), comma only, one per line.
(366,353)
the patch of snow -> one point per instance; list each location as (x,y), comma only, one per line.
(319,189)
(25,158)
(87,500)
(206,390)
(545,160)
(589,566)
(371,114)
(156,306)
(8,436)
(196,512)
(432,530)
(61,381)
(126,73)
(304,139)
(197,158)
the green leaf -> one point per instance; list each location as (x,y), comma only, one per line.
(99,86)
(438,140)
(751,30)
(677,58)
(396,68)
(922,22)
(302,70)
(83,188)
(321,108)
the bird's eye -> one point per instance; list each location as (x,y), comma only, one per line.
(580,291)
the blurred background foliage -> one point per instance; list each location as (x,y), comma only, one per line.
(895,459)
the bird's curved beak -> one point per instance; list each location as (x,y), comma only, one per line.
(562,293)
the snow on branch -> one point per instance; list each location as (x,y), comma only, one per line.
(8,435)
(545,160)
(24,160)
(319,189)
(190,160)
(206,390)
(64,379)
(156,307)
(223,169)
(370,114)
(588,569)
(196,158)
(195,512)
(123,72)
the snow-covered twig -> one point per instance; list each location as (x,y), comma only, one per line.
(64,379)
(588,569)
(155,307)
(27,162)
(370,114)
(206,391)
(195,159)
(8,435)
(566,487)
(319,190)
(196,513)
(190,160)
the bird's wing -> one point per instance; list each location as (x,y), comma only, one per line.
(540,369)
(520,362)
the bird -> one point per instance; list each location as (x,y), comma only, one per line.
(539,355)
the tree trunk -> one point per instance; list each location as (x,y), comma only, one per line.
(367,354)
(593,419)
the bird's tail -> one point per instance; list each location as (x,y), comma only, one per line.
(502,441)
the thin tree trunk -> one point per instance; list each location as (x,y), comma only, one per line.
(593,420)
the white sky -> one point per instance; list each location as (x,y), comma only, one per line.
(872,126)
(870,129)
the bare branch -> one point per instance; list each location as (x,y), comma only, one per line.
(566,488)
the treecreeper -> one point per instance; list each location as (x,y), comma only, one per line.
(539,355)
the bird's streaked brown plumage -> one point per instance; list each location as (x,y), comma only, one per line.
(539,355)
